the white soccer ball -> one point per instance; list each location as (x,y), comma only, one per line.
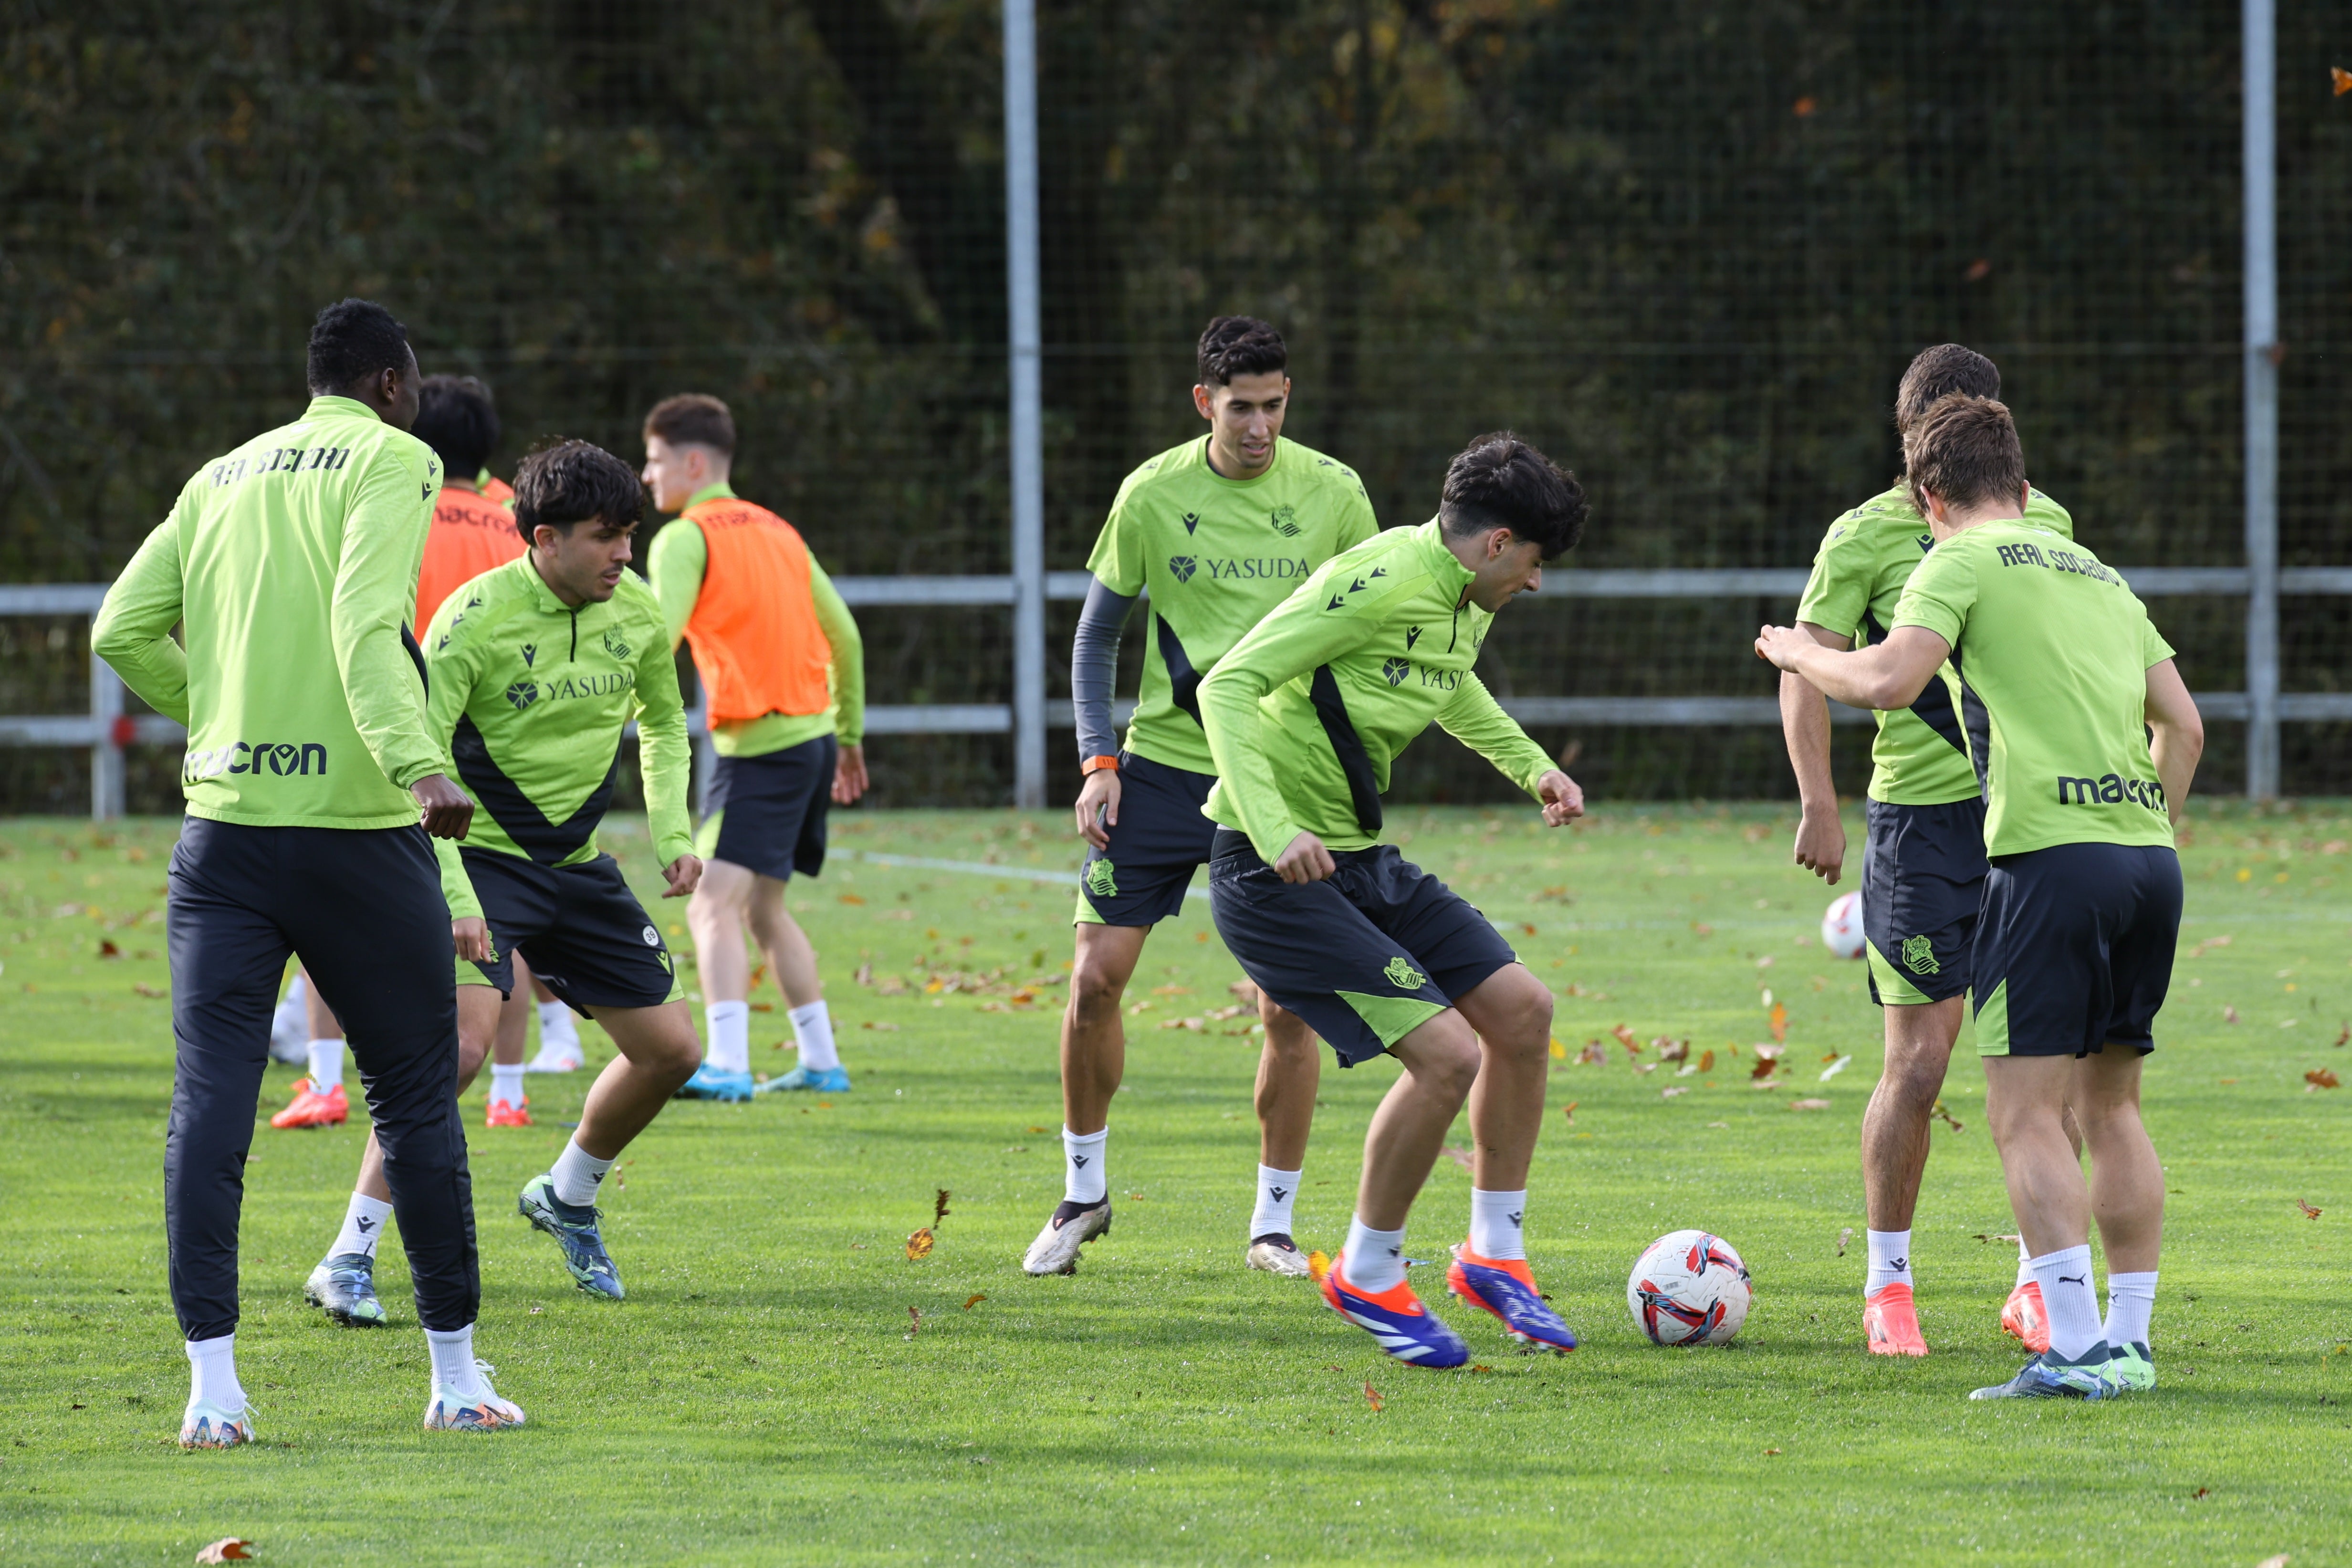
(1689,1289)
(1841,926)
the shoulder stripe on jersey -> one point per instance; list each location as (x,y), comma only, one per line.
(1933,706)
(1363,789)
(1184,680)
(417,657)
(544,841)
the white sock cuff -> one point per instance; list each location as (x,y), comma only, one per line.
(576,1175)
(1375,1259)
(212,1348)
(815,1013)
(730,1036)
(2066,1256)
(326,1064)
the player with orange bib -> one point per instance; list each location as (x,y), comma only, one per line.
(784,681)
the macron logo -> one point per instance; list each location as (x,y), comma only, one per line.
(366,1226)
(1277,1194)
(1079,1161)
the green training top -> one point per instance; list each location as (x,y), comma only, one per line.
(292,562)
(2058,651)
(532,696)
(1308,711)
(674,563)
(1217,554)
(1919,756)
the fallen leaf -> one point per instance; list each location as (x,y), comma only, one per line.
(2008,1241)
(1780,1021)
(2345,1038)
(1843,1236)
(2228,1014)
(1594,1055)
(865,975)
(106,949)
(886,1028)
(1706,1061)
(919,1245)
(763,1006)
(1559,1051)
(1318,1263)
(2280,1561)
(1372,1398)
(2201,1494)
(914,1321)
(1569,1110)
(1480,1366)
(852,899)
(2320,1078)
(939,1206)
(971,1301)
(1672,1089)
(228,1550)
(1835,1067)
(856,1246)
(2308,1212)
(1700,928)
(1803,110)
(145,990)
(1672,1051)
(535,1311)
(1766,962)
(1809,1105)
(1771,1451)
(1626,1038)
(1526,928)
(1244,989)
(1979,270)
(1038,1130)
(1725,1125)
(1944,1116)
(1645,1067)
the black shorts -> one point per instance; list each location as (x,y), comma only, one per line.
(1160,840)
(766,813)
(1365,956)
(1923,872)
(2075,951)
(579,927)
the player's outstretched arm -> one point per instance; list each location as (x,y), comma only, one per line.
(1093,678)
(1887,675)
(840,628)
(134,629)
(1805,726)
(1473,717)
(2177,734)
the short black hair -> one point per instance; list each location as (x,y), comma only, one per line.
(569,482)
(1500,481)
(1936,373)
(1239,345)
(352,339)
(457,418)
(693,419)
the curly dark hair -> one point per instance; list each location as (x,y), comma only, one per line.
(1500,481)
(352,339)
(1239,345)
(570,482)
(457,418)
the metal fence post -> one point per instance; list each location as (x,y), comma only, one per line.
(1023,342)
(106,749)
(2260,71)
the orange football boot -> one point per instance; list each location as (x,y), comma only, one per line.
(2023,1318)
(508,1113)
(311,1108)
(1890,1323)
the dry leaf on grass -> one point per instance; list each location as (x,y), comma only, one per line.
(2308,1212)
(852,899)
(1706,1061)
(1645,1067)
(919,1245)
(1672,1089)
(1318,1263)
(2320,1078)
(1836,1066)
(2228,1014)
(1672,1051)
(1809,1105)
(1625,1037)
(1559,1051)
(1780,1021)
(106,949)
(1569,1110)
(145,990)
(229,1549)
(975,1300)
(1944,1117)
(939,1206)
(1996,1235)
(2343,80)
(1372,1398)
(1843,1236)
(1595,1054)
(914,1321)
(1771,1450)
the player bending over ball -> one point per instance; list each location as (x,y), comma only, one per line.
(1219,530)
(291,565)
(2073,949)
(1305,715)
(783,678)
(1923,865)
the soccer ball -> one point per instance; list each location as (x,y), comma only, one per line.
(1841,926)
(1689,1289)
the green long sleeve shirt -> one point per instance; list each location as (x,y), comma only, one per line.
(1306,712)
(675,565)
(293,564)
(530,697)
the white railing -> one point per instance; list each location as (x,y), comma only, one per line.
(106,729)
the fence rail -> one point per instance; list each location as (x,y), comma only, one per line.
(105,730)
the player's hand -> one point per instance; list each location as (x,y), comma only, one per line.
(848,782)
(1778,646)
(1820,843)
(1305,860)
(1097,807)
(448,810)
(685,874)
(1562,797)
(471,938)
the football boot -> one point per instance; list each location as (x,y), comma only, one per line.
(343,1286)
(2023,1320)
(2045,1376)
(1890,1322)
(209,1427)
(312,1109)
(1507,1288)
(1276,1254)
(574,1229)
(1055,1250)
(1395,1319)
(712,1083)
(449,1411)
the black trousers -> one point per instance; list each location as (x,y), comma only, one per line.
(363,911)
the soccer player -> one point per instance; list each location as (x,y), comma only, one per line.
(783,681)
(1924,860)
(1219,530)
(2082,906)
(291,565)
(1305,715)
(537,667)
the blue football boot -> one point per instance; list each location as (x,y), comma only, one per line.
(712,1083)
(2048,1377)
(573,1226)
(825,1081)
(1507,1288)
(345,1287)
(1396,1319)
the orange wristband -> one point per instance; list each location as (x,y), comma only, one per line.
(1095,764)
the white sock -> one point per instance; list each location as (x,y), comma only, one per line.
(2024,1265)
(1890,1260)
(294,1012)
(506,1082)
(454,1371)
(2068,1302)
(2131,1301)
(730,1036)
(1276,1190)
(1375,1257)
(812,1026)
(326,1065)
(1496,1219)
(576,1174)
(362,1225)
(556,1027)
(212,1374)
(1083,1177)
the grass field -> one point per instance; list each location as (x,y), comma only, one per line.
(760,1397)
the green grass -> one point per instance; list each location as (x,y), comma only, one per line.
(759,1398)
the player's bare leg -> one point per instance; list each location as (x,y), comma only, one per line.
(510,1106)
(1093,1060)
(733,904)
(1289,1072)
(1894,1138)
